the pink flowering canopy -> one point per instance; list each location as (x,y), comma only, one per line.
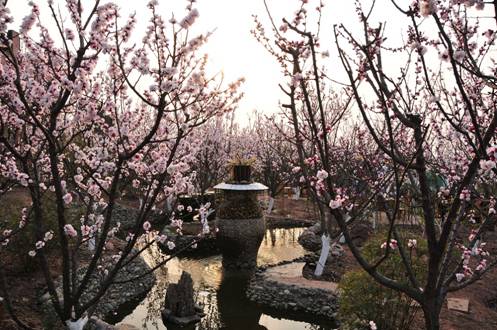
(89,116)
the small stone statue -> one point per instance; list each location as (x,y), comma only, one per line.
(179,306)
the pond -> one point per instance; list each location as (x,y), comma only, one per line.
(221,293)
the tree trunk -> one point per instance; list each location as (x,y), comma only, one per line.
(431,313)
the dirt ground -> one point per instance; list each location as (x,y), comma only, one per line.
(482,297)
(22,290)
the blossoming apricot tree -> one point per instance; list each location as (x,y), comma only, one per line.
(87,114)
(433,121)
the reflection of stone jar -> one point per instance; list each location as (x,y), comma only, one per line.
(235,310)
(241,224)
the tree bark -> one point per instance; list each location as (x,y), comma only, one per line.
(431,313)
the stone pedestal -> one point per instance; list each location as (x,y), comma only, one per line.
(241,225)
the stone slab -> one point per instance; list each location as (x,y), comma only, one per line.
(293,269)
(458,304)
(291,274)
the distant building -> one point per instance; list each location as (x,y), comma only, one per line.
(16,45)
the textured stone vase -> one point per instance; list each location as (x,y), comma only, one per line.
(241,227)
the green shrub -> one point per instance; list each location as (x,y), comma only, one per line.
(362,299)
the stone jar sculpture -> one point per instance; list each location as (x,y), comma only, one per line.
(240,222)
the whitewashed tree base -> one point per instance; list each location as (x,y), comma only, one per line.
(78,324)
(270,206)
(325,249)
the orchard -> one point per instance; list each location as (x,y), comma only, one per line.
(347,162)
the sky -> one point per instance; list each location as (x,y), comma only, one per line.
(233,50)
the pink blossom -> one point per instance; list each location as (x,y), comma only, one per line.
(482,265)
(67,198)
(283,28)
(171,245)
(419,48)
(322,174)
(32,253)
(146,226)
(467,270)
(189,19)
(129,237)
(459,277)
(48,236)
(412,243)
(39,245)
(427,7)
(69,34)
(393,244)
(296,169)
(444,56)
(296,79)
(489,33)
(29,20)
(78,178)
(85,230)
(459,55)
(338,201)
(472,236)
(70,231)
(487,165)
(433,99)
(465,195)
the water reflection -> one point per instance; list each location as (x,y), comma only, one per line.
(235,310)
(221,293)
